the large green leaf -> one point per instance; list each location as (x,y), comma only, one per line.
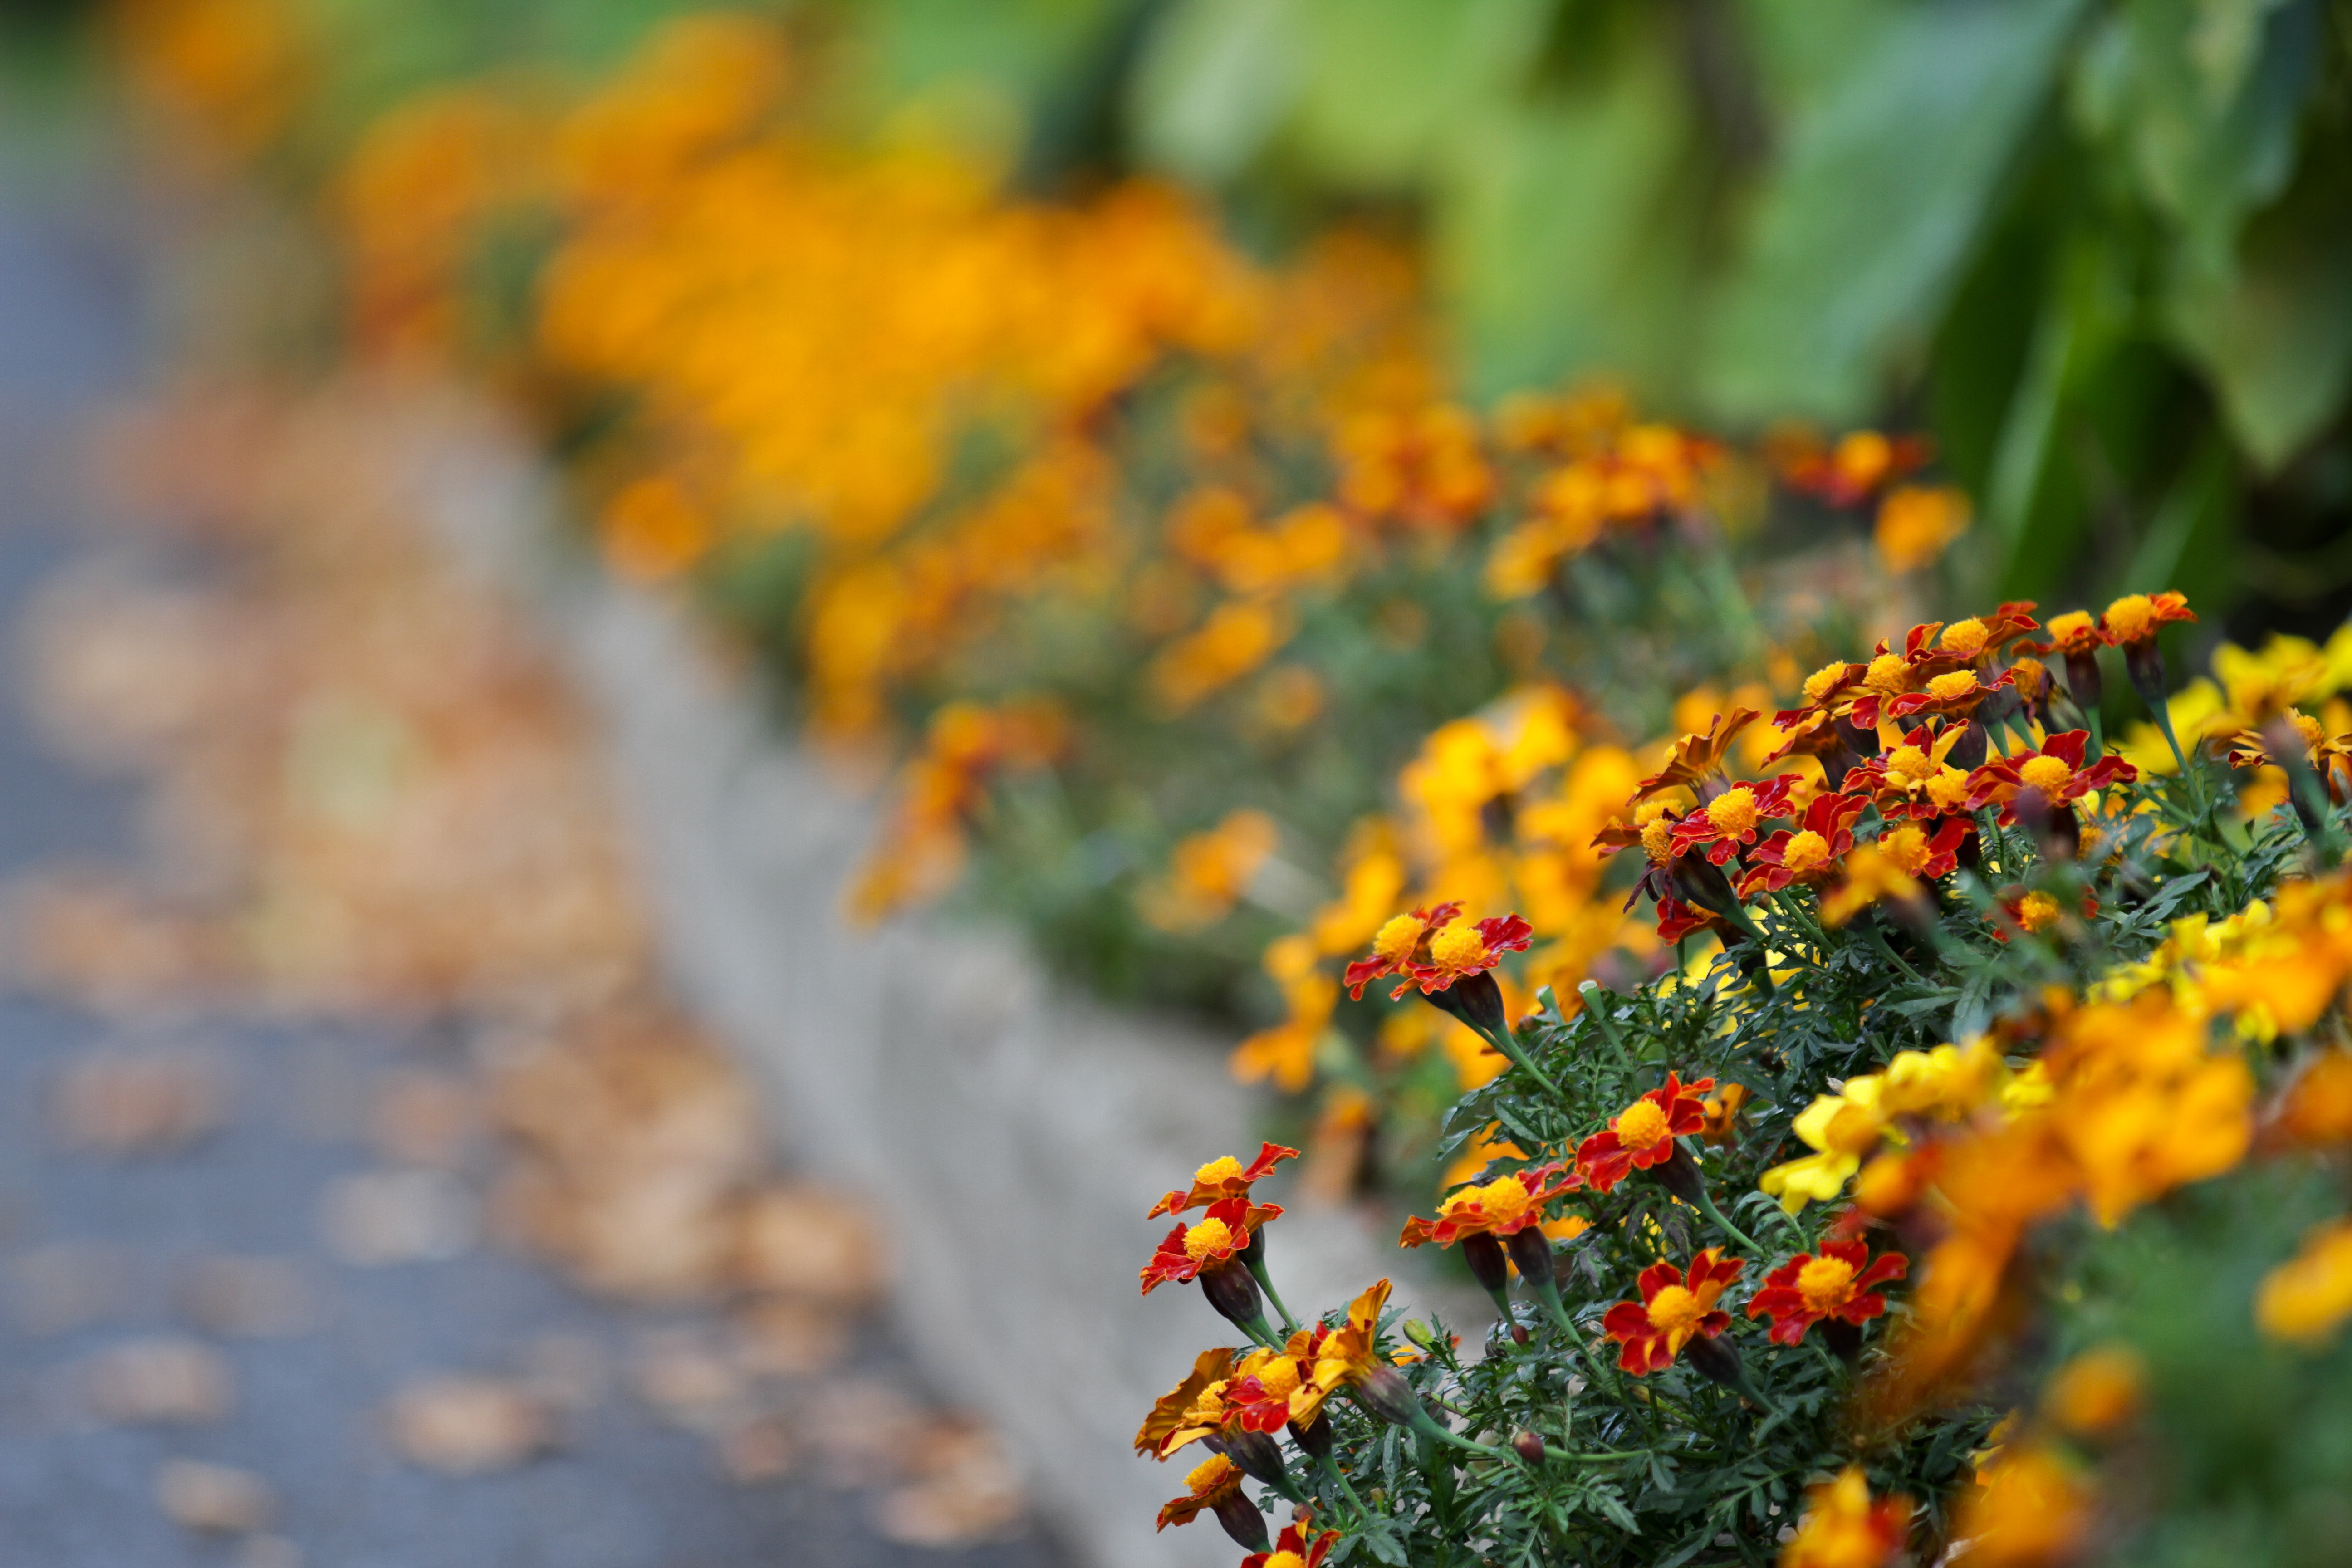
(2202,98)
(1566,238)
(2276,336)
(1217,80)
(1387,79)
(1878,199)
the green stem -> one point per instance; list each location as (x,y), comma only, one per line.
(1332,1472)
(1707,1206)
(2098,734)
(1265,1283)
(1502,1040)
(1597,1009)
(1429,1427)
(1877,939)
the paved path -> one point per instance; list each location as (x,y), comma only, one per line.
(96,1252)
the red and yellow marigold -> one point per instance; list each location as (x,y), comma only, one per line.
(1504,1206)
(1641,1136)
(1836,1283)
(1673,1309)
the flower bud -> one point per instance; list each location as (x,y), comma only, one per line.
(1476,1000)
(2082,679)
(1259,1457)
(1242,1522)
(1531,1250)
(1718,1361)
(1680,1175)
(1487,1264)
(2144,662)
(1314,1440)
(1232,1292)
(1382,1391)
(1419,1332)
(1527,1446)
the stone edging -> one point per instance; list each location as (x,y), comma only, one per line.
(1013,1135)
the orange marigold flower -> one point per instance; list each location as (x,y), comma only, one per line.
(2057,770)
(1671,1312)
(1396,946)
(1221,1178)
(2307,1298)
(1212,1481)
(1836,1283)
(1504,1206)
(2029,1509)
(2072,633)
(1642,1135)
(1269,1389)
(2097,1391)
(1696,759)
(1722,1110)
(1917,523)
(1842,1528)
(1211,1367)
(2134,620)
(1464,948)
(1293,1549)
(1811,853)
(1218,1237)
(1731,818)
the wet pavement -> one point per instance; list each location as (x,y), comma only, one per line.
(200,1343)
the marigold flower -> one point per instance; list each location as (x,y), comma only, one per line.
(2097,1391)
(2136,618)
(1641,1136)
(1697,759)
(2072,633)
(1811,854)
(1722,1110)
(1269,1389)
(1834,1284)
(1843,1528)
(1954,694)
(2307,1298)
(1672,1311)
(1211,1367)
(1293,1549)
(1731,818)
(2318,1105)
(1215,1239)
(1917,523)
(2329,756)
(2028,1509)
(1395,948)
(1221,1178)
(2057,770)
(1463,948)
(1504,1206)
(1211,1481)
(1841,1129)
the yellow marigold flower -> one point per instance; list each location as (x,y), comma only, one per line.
(1841,1128)
(2038,911)
(2308,1296)
(1889,675)
(1952,686)
(1966,638)
(2097,1391)
(1825,681)
(1843,1528)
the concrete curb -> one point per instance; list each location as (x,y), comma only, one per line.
(1014,1135)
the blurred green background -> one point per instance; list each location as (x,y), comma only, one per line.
(2098,248)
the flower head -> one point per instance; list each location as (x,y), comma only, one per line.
(1731,818)
(1214,1240)
(1812,852)
(1698,759)
(1464,948)
(1672,1311)
(1221,1178)
(2134,620)
(1352,1349)
(1168,1412)
(1504,1206)
(1293,1549)
(1843,1528)
(2057,770)
(2307,1298)
(1396,946)
(1212,1480)
(1836,1283)
(1642,1135)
